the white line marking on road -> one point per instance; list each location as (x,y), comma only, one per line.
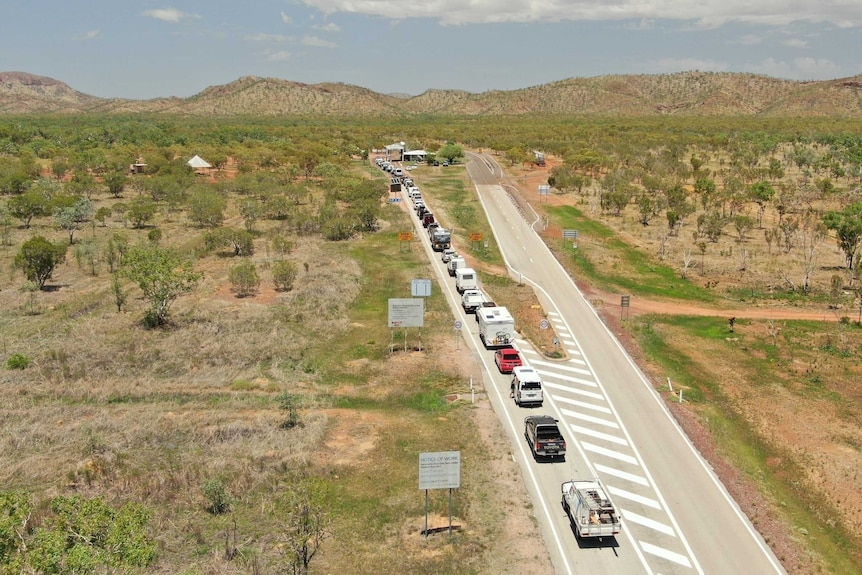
(648,501)
(622,474)
(609,453)
(583,404)
(597,434)
(665,554)
(582,392)
(562,367)
(633,517)
(590,419)
(577,380)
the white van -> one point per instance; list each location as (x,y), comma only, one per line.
(454,263)
(398,172)
(526,386)
(466,278)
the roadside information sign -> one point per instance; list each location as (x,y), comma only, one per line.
(406,312)
(440,470)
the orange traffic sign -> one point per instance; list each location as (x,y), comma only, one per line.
(405,236)
(475,237)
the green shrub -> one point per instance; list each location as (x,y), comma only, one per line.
(217,496)
(17,361)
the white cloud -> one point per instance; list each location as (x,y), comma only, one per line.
(750,40)
(278,56)
(796,43)
(798,68)
(329,27)
(706,13)
(89,35)
(286,18)
(168,14)
(271,38)
(670,65)
(317,42)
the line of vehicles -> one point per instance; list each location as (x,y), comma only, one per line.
(586,502)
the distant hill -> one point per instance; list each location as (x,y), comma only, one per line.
(685,93)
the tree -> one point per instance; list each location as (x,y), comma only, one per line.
(743,225)
(761,192)
(244,279)
(141,211)
(163,276)
(69,218)
(241,241)
(206,208)
(284,274)
(37,259)
(451,151)
(31,204)
(847,225)
(116,181)
(305,529)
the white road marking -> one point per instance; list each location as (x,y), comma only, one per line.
(582,392)
(590,419)
(648,501)
(609,453)
(632,517)
(583,404)
(640,480)
(597,434)
(665,554)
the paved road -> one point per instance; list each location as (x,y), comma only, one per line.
(677,517)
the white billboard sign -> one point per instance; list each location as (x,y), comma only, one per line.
(440,470)
(406,312)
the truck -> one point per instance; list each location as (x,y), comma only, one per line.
(454,263)
(496,326)
(441,239)
(472,299)
(427,218)
(526,387)
(544,436)
(590,510)
(466,278)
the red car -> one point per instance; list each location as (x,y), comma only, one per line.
(507,359)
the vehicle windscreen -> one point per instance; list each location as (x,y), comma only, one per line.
(531,385)
(547,432)
(510,356)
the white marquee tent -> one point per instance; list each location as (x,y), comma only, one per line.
(198,162)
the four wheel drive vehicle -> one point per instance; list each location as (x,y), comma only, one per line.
(441,238)
(427,218)
(526,386)
(544,436)
(590,510)
(507,359)
(472,299)
(447,254)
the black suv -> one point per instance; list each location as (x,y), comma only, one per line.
(544,436)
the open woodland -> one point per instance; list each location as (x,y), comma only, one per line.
(264,400)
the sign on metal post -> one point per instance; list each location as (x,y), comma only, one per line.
(625,303)
(439,470)
(420,288)
(406,312)
(570,234)
(544,324)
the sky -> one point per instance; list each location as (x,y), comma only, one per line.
(151,48)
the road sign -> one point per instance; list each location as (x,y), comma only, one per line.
(458,324)
(475,237)
(394,200)
(570,234)
(440,470)
(420,288)
(625,300)
(406,312)
(544,190)
(405,236)
(544,324)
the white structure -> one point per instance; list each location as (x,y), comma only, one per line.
(197,163)
(415,155)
